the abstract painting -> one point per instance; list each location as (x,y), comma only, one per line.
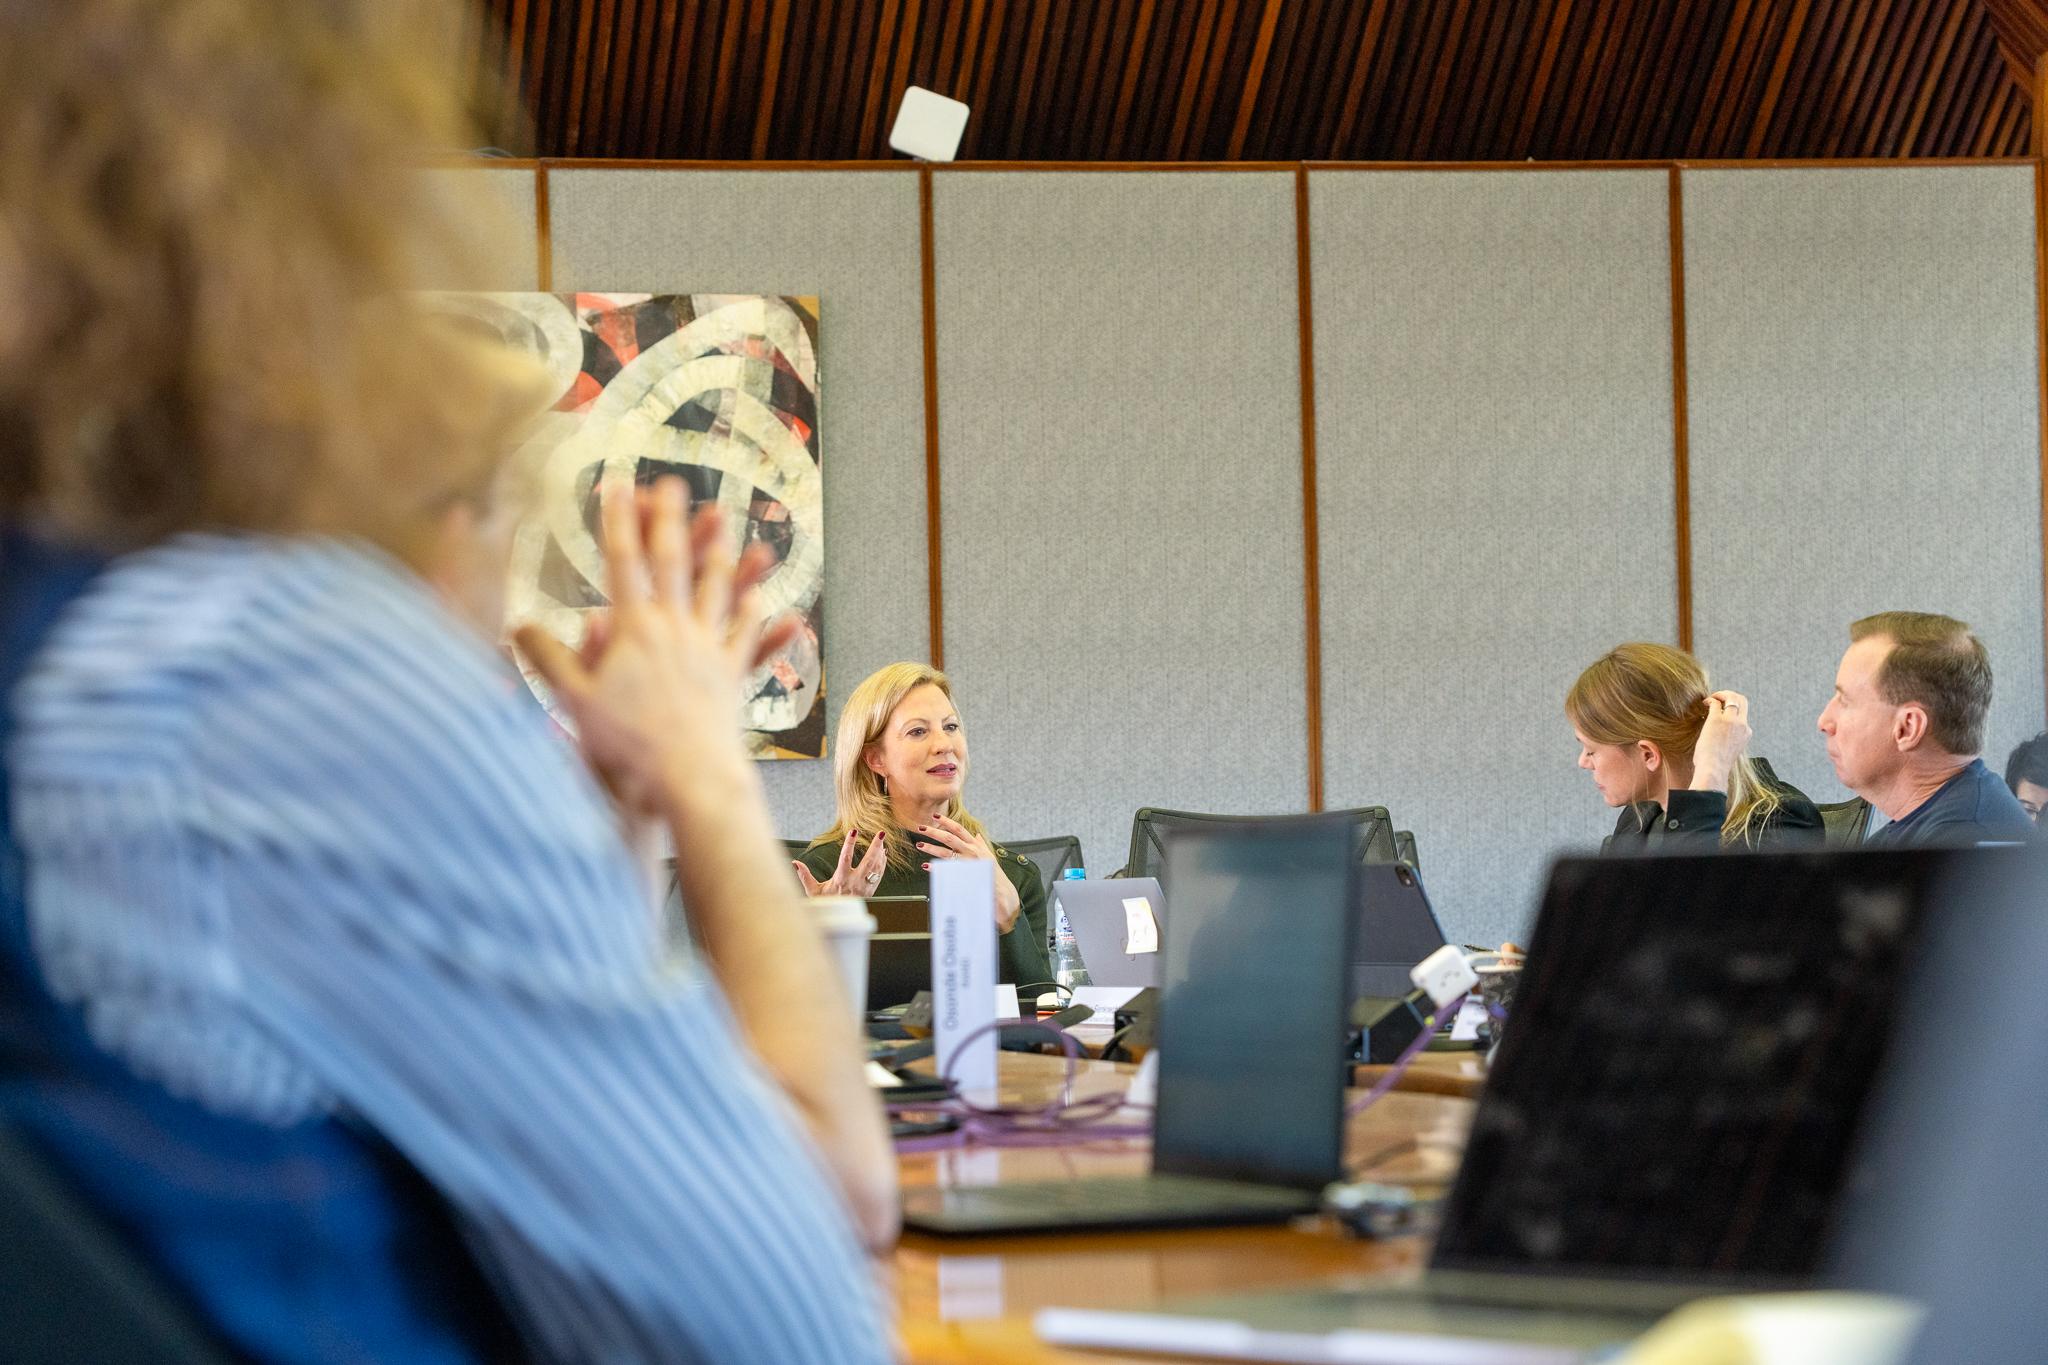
(719,389)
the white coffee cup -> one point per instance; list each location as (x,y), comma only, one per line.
(847,927)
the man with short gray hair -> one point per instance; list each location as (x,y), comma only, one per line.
(1905,728)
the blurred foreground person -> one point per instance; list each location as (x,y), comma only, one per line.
(325,973)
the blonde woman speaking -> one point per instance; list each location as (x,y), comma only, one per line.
(897,774)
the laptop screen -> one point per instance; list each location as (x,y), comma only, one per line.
(1396,930)
(1255,983)
(1685,1065)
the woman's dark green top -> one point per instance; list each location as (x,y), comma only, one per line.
(1021,955)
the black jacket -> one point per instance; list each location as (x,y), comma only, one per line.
(1692,822)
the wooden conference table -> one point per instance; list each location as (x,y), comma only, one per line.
(971,1299)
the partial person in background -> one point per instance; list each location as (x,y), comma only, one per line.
(327,978)
(1673,755)
(898,772)
(2026,775)
(1905,728)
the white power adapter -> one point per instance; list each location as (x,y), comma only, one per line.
(1444,975)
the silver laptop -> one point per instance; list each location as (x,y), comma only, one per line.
(1671,1114)
(1111,921)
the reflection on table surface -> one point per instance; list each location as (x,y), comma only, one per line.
(971,1298)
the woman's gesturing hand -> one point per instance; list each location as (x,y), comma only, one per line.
(951,840)
(1723,739)
(656,689)
(850,878)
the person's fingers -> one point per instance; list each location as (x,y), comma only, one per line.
(625,572)
(597,635)
(872,865)
(756,562)
(877,854)
(714,590)
(845,855)
(668,561)
(803,874)
(556,663)
(707,523)
(775,637)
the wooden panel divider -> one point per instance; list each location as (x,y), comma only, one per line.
(544,247)
(1681,455)
(1312,588)
(934,573)
(2041,366)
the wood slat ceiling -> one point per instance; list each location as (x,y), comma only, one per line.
(1280,80)
(2022,29)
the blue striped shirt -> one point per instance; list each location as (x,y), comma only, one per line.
(297,845)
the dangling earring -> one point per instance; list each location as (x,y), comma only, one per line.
(883,783)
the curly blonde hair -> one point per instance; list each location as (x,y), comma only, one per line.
(210,214)
(862,800)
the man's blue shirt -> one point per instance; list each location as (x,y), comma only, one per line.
(1969,808)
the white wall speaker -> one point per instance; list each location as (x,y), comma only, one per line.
(928,125)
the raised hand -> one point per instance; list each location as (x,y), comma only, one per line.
(1724,737)
(849,878)
(950,839)
(656,689)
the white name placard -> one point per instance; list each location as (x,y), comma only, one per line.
(963,904)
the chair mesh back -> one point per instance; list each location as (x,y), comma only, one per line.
(1051,856)
(1846,822)
(1404,847)
(1150,827)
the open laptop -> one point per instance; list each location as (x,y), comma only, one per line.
(1254,985)
(900,953)
(1670,1115)
(1397,928)
(1110,921)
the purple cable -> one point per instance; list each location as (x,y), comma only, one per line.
(1408,1055)
(1065,1121)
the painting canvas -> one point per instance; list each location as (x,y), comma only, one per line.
(719,389)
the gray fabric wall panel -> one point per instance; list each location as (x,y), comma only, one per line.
(1864,422)
(1494,435)
(851,238)
(1120,469)
(513,188)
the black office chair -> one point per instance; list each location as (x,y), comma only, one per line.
(72,1289)
(1404,847)
(1150,826)
(1052,857)
(1846,822)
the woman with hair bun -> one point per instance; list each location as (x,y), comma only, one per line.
(1671,753)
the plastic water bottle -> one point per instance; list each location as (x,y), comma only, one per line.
(1067,967)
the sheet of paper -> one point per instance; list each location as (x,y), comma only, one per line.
(1465,1027)
(963,901)
(1141,931)
(970,1287)
(881,1077)
(1006,1000)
